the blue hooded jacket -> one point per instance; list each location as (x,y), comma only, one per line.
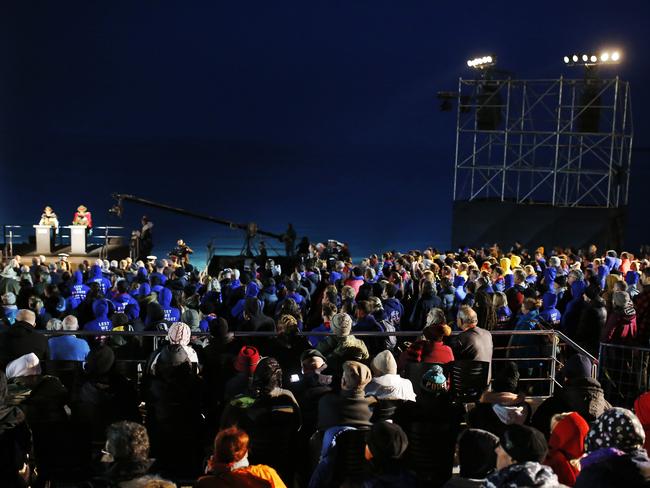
(549,313)
(252,290)
(96,276)
(121,301)
(570,318)
(78,290)
(394,311)
(101,323)
(165,299)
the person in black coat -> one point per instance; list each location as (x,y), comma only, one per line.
(254,318)
(427,301)
(103,396)
(592,320)
(15,441)
(22,338)
(581,393)
(174,398)
(350,406)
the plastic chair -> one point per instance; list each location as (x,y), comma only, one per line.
(351,464)
(68,372)
(430,452)
(468,380)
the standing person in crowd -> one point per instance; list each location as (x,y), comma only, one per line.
(621,323)
(22,338)
(473,343)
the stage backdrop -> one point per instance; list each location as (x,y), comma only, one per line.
(486,222)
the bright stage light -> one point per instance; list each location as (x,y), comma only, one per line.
(481,62)
(604,58)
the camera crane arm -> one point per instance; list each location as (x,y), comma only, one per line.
(121,198)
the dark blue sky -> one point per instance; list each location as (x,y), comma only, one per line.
(319,113)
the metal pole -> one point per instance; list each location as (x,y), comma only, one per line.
(471,187)
(611,151)
(521,134)
(556,340)
(457,137)
(622,150)
(505,143)
(557,138)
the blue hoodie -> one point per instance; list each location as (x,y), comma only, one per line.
(252,290)
(96,276)
(78,290)
(162,277)
(549,313)
(394,311)
(101,323)
(121,301)
(573,310)
(165,299)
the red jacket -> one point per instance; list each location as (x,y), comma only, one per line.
(424,351)
(566,444)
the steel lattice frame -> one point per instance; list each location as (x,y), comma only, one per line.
(538,149)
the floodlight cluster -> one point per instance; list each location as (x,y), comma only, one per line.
(482,62)
(605,57)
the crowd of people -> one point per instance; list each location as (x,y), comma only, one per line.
(266,377)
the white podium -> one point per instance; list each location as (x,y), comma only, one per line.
(43,239)
(77,239)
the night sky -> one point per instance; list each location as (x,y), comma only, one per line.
(319,113)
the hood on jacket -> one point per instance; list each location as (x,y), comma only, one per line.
(569,435)
(631,277)
(505,265)
(78,278)
(252,290)
(515,261)
(100,308)
(165,297)
(549,300)
(577,289)
(95,272)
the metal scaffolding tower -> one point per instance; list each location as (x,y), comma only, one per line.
(563,142)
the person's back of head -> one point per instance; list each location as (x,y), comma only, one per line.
(27,316)
(355,376)
(476,453)
(70,322)
(386,444)
(267,376)
(466,317)
(127,442)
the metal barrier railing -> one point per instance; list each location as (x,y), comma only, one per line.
(536,368)
(623,372)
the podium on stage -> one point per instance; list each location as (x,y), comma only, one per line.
(43,239)
(77,239)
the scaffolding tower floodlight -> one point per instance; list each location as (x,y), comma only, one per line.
(563,142)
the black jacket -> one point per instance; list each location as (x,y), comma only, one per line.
(630,470)
(582,395)
(349,407)
(21,339)
(591,324)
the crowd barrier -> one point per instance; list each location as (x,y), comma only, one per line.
(623,373)
(540,359)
